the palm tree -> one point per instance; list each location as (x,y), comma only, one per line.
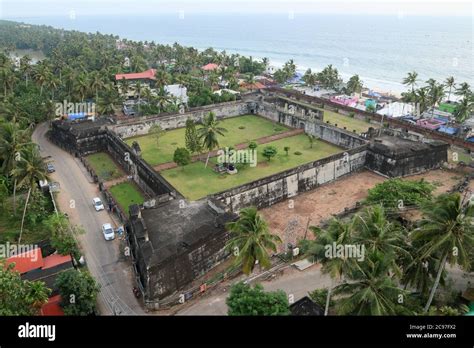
(81,86)
(209,132)
(450,84)
(339,233)
(161,78)
(96,83)
(13,141)
(410,80)
(162,99)
(42,75)
(436,96)
(379,234)
(29,169)
(422,98)
(25,67)
(251,240)
(464,109)
(464,90)
(447,233)
(369,290)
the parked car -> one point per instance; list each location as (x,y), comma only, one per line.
(108,231)
(50,168)
(97,203)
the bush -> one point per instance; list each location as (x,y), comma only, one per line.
(245,300)
(391,192)
(297,153)
(253,145)
(269,152)
(78,292)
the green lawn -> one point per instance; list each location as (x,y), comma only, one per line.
(254,127)
(350,123)
(126,194)
(342,121)
(104,166)
(195,182)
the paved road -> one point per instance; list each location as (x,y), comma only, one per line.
(103,258)
(296,284)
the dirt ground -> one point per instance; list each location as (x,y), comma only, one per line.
(289,219)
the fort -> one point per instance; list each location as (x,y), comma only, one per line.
(175,240)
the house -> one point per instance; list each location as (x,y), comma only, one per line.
(179,92)
(210,67)
(147,76)
(33,266)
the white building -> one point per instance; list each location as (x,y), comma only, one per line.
(179,92)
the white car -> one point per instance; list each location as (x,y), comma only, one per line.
(97,203)
(108,232)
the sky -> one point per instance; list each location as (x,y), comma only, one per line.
(14,9)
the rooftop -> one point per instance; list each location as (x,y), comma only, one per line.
(394,146)
(172,228)
(144,75)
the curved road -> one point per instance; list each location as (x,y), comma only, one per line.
(112,270)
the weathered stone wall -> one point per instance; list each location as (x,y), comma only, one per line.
(311,124)
(143,174)
(141,126)
(273,189)
(176,273)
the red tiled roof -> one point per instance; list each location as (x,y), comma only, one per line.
(148,74)
(255,85)
(210,66)
(52,307)
(27,261)
(55,259)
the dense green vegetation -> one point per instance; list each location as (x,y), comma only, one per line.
(245,300)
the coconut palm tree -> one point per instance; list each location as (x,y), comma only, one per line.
(450,83)
(81,86)
(447,233)
(250,240)
(163,99)
(42,75)
(25,67)
(379,234)
(410,80)
(436,95)
(13,140)
(29,169)
(422,98)
(96,82)
(464,90)
(368,289)
(209,133)
(464,109)
(339,233)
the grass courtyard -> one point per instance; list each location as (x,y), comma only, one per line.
(240,129)
(126,194)
(104,166)
(350,123)
(195,182)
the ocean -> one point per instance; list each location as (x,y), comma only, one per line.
(381,49)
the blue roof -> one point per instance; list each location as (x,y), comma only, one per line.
(470,139)
(448,130)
